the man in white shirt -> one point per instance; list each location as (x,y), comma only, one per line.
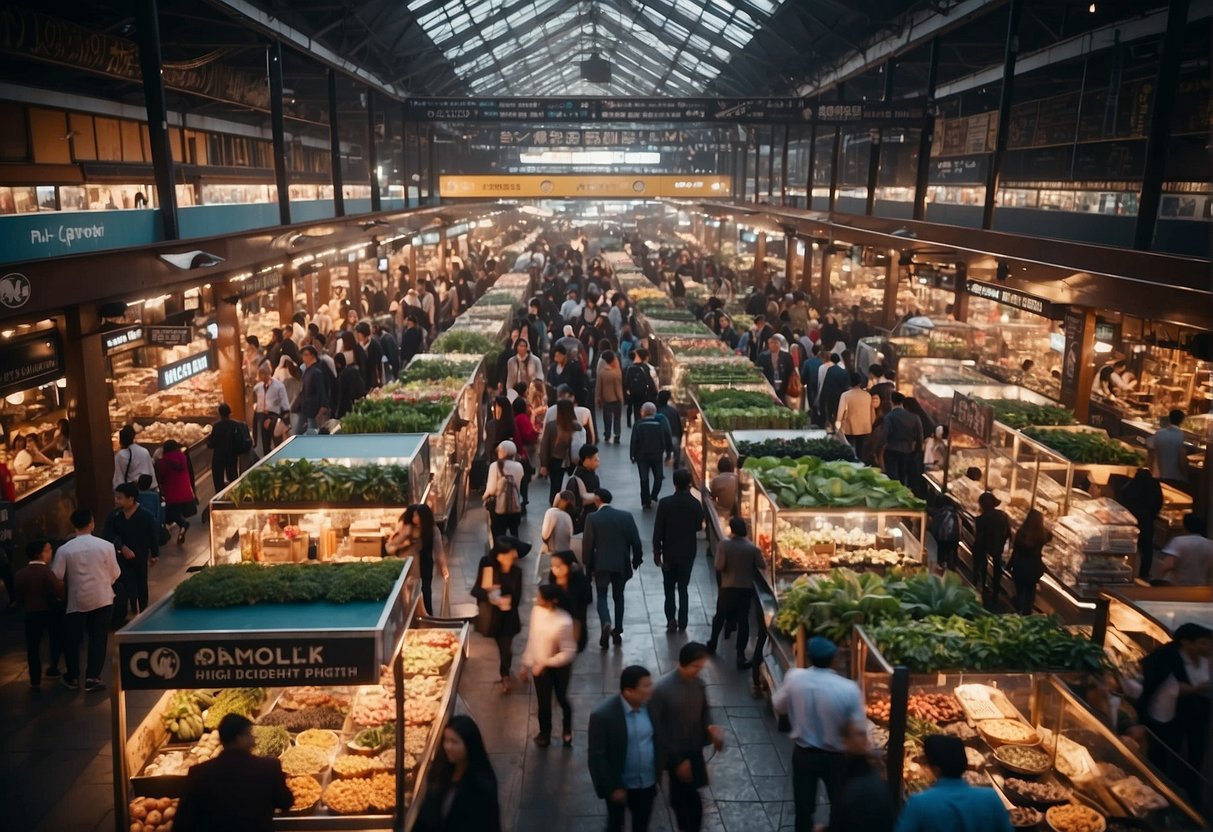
(132,460)
(1167,446)
(89,566)
(270,404)
(548,657)
(827,716)
(1188,558)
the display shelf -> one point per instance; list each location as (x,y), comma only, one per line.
(944,339)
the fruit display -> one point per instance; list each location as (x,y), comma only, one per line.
(242,701)
(304,759)
(809,482)
(229,585)
(153,814)
(306,791)
(304,480)
(271,740)
(773,450)
(182,715)
(1089,447)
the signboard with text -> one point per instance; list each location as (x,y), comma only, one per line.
(119,340)
(1016,299)
(173,374)
(170,336)
(29,363)
(972,417)
(1071,362)
(613,186)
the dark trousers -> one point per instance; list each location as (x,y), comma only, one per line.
(857,440)
(677,575)
(651,476)
(898,465)
(427,584)
(684,800)
(223,472)
(1145,548)
(76,626)
(524,487)
(49,622)
(611,412)
(175,514)
(639,804)
(554,680)
(987,586)
(733,604)
(134,578)
(810,767)
(1025,595)
(615,581)
(760,641)
(945,553)
(504,524)
(556,477)
(265,436)
(505,652)
(633,412)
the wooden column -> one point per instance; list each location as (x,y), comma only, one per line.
(1079,348)
(806,269)
(442,252)
(87,413)
(789,261)
(892,277)
(286,298)
(228,350)
(413,276)
(823,290)
(355,294)
(326,289)
(960,306)
(310,288)
(760,255)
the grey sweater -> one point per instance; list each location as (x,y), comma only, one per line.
(736,560)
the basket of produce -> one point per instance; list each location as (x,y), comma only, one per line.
(1035,794)
(271,740)
(1074,817)
(299,760)
(351,766)
(306,791)
(1023,759)
(370,741)
(152,814)
(999,732)
(937,707)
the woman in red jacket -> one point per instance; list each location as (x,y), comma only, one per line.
(526,438)
(176,476)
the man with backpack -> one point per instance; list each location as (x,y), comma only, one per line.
(582,482)
(945,528)
(639,384)
(229,440)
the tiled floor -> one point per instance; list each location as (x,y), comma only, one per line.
(56,773)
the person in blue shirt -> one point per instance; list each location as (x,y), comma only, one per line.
(624,756)
(952,805)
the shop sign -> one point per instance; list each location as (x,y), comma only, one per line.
(179,371)
(265,661)
(1071,362)
(263,283)
(30,363)
(118,340)
(1015,298)
(607,185)
(14,290)
(972,417)
(959,170)
(170,336)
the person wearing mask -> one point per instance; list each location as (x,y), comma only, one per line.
(1142,496)
(523,367)
(238,790)
(270,405)
(855,414)
(675,541)
(560,447)
(679,710)
(40,595)
(132,460)
(461,791)
(498,594)
(608,396)
(86,564)
(1027,560)
(576,594)
(777,366)
(640,384)
(503,490)
(229,440)
(737,560)
(834,381)
(825,711)
(991,531)
(624,756)
(723,487)
(312,403)
(612,550)
(1174,703)
(651,442)
(902,441)
(551,647)
(1169,453)
(372,359)
(136,538)
(177,486)
(951,804)
(1187,559)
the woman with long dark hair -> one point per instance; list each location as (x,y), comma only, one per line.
(420,520)
(527,439)
(500,425)
(567,574)
(1027,560)
(498,593)
(461,795)
(562,438)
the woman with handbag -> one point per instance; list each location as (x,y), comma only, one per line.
(177,486)
(502,491)
(498,592)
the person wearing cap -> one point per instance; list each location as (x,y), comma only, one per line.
(548,657)
(991,531)
(952,805)
(237,791)
(611,549)
(679,708)
(827,716)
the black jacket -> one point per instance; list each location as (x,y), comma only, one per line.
(608,747)
(610,536)
(504,623)
(671,415)
(314,393)
(572,376)
(475,807)
(785,371)
(139,532)
(372,369)
(650,439)
(991,531)
(227,437)
(410,344)
(350,388)
(391,351)
(836,382)
(675,529)
(235,792)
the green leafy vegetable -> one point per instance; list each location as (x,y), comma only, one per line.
(469,343)
(796,447)
(1016,414)
(233,585)
(809,482)
(437,370)
(1084,446)
(390,416)
(307,481)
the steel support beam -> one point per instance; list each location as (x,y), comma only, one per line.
(994,174)
(836,156)
(783,173)
(874,148)
(808,188)
(335,150)
(926,137)
(404,153)
(771,167)
(278,127)
(372,153)
(150,64)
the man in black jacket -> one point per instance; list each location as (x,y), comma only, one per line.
(834,383)
(624,755)
(372,366)
(565,371)
(228,440)
(651,442)
(314,398)
(136,537)
(675,539)
(611,549)
(410,340)
(776,365)
(391,351)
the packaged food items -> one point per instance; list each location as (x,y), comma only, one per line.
(272,740)
(1137,796)
(1007,732)
(1025,816)
(318,738)
(301,720)
(303,759)
(1073,817)
(306,791)
(349,766)
(937,707)
(348,797)
(1024,759)
(1037,794)
(153,814)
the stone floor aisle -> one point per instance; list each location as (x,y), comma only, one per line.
(750,787)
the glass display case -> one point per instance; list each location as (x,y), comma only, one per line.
(915,339)
(38,451)
(705,444)
(280,527)
(926,379)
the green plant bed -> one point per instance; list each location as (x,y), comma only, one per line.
(438,369)
(725,373)
(390,416)
(468,343)
(243,584)
(771,417)
(809,482)
(304,481)
(1019,415)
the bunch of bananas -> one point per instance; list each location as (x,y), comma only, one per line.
(183,716)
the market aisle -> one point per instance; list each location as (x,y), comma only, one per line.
(750,784)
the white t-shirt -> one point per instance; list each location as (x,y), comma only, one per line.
(89,565)
(1162,706)
(1193,560)
(132,463)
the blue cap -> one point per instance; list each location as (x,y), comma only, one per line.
(821,648)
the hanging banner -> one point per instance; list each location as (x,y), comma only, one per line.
(170,336)
(120,340)
(173,374)
(29,363)
(613,186)
(1071,363)
(972,417)
(1017,299)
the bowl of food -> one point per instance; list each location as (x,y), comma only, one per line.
(306,791)
(1038,795)
(1027,760)
(318,738)
(1025,817)
(1007,732)
(1074,817)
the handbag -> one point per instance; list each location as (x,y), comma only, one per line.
(484,618)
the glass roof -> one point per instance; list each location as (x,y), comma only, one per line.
(535,47)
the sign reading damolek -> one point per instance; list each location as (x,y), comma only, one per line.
(612,186)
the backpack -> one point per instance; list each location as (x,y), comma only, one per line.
(509,500)
(638,384)
(946,526)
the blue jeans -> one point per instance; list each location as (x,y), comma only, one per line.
(650,468)
(616,581)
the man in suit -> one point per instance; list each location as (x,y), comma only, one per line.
(314,395)
(675,537)
(236,791)
(610,536)
(624,755)
(776,365)
(228,441)
(834,382)
(372,367)
(410,340)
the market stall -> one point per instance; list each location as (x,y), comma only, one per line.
(349,691)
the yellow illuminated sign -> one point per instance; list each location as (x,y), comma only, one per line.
(612,186)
